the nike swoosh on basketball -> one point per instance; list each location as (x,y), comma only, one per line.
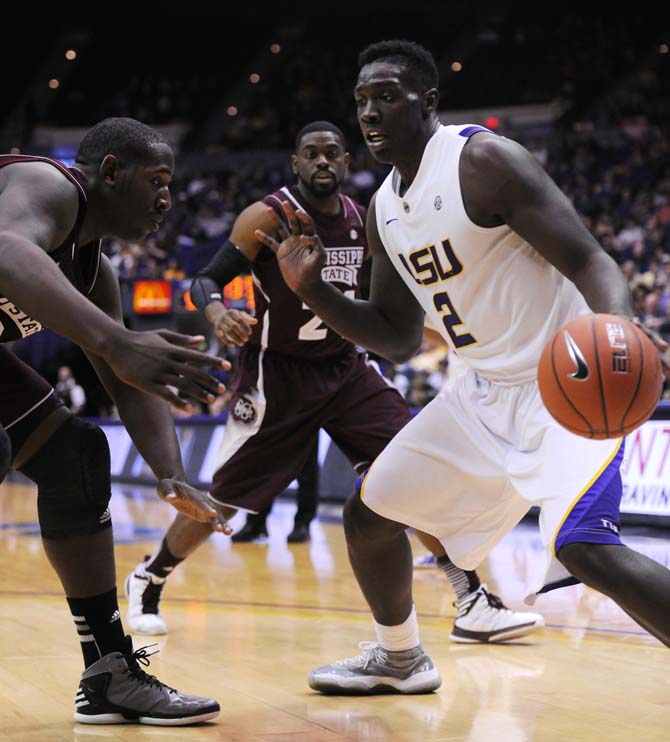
(388,221)
(582,372)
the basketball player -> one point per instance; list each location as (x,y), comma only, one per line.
(307,500)
(295,376)
(53,274)
(469,229)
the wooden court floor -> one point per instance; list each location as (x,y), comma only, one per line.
(248,622)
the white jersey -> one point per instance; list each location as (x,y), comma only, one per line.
(493,297)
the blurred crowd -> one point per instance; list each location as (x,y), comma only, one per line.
(610,154)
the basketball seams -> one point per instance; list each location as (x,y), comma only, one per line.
(600,377)
(639,379)
(565,394)
(621,398)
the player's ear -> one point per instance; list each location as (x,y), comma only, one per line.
(347,159)
(294,164)
(430,100)
(109,169)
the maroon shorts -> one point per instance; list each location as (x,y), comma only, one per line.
(25,398)
(277,407)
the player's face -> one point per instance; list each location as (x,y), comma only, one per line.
(144,195)
(320,162)
(390,111)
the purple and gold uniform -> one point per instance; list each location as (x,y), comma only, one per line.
(23,392)
(296,375)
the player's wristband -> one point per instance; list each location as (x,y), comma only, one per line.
(228,263)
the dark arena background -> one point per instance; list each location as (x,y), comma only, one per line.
(589,96)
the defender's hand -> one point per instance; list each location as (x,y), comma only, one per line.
(300,252)
(231,326)
(193,504)
(153,361)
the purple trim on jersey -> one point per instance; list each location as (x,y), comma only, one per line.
(470,130)
(595,517)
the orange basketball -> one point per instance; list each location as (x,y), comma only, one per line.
(600,376)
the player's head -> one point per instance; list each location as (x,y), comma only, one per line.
(320,160)
(396,97)
(129,166)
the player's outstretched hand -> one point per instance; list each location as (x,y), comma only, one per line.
(193,504)
(154,361)
(660,344)
(231,326)
(299,249)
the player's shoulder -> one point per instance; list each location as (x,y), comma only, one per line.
(353,210)
(41,178)
(276,198)
(257,215)
(486,152)
(40,200)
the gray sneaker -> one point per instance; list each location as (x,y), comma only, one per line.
(115,690)
(378,671)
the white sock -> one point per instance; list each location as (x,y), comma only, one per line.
(400,637)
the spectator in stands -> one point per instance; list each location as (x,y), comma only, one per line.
(72,394)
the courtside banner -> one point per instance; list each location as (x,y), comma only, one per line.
(646,469)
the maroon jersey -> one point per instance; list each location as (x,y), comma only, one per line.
(285,324)
(79,263)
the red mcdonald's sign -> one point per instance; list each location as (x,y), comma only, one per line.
(152,297)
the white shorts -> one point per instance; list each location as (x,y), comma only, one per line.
(470,464)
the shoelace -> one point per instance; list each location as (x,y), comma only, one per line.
(141,657)
(494,601)
(463,607)
(371,650)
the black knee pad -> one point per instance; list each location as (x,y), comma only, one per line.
(72,472)
(5,453)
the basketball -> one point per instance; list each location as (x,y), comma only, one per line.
(600,376)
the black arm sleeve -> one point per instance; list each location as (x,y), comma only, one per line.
(228,263)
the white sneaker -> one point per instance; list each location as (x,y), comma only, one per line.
(143,590)
(377,671)
(483,617)
(426,561)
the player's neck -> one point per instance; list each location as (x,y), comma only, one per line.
(92,228)
(324,204)
(408,166)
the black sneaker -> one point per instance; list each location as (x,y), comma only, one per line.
(116,690)
(299,534)
(249,532)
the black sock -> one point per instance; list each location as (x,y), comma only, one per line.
(99,626)
(461,581)
(164,562)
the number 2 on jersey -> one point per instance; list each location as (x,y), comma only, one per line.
(450,320)
(314,329)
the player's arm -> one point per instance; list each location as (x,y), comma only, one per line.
(390,323)
(38,209)
(232,326)
(501,179)
(147,418)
